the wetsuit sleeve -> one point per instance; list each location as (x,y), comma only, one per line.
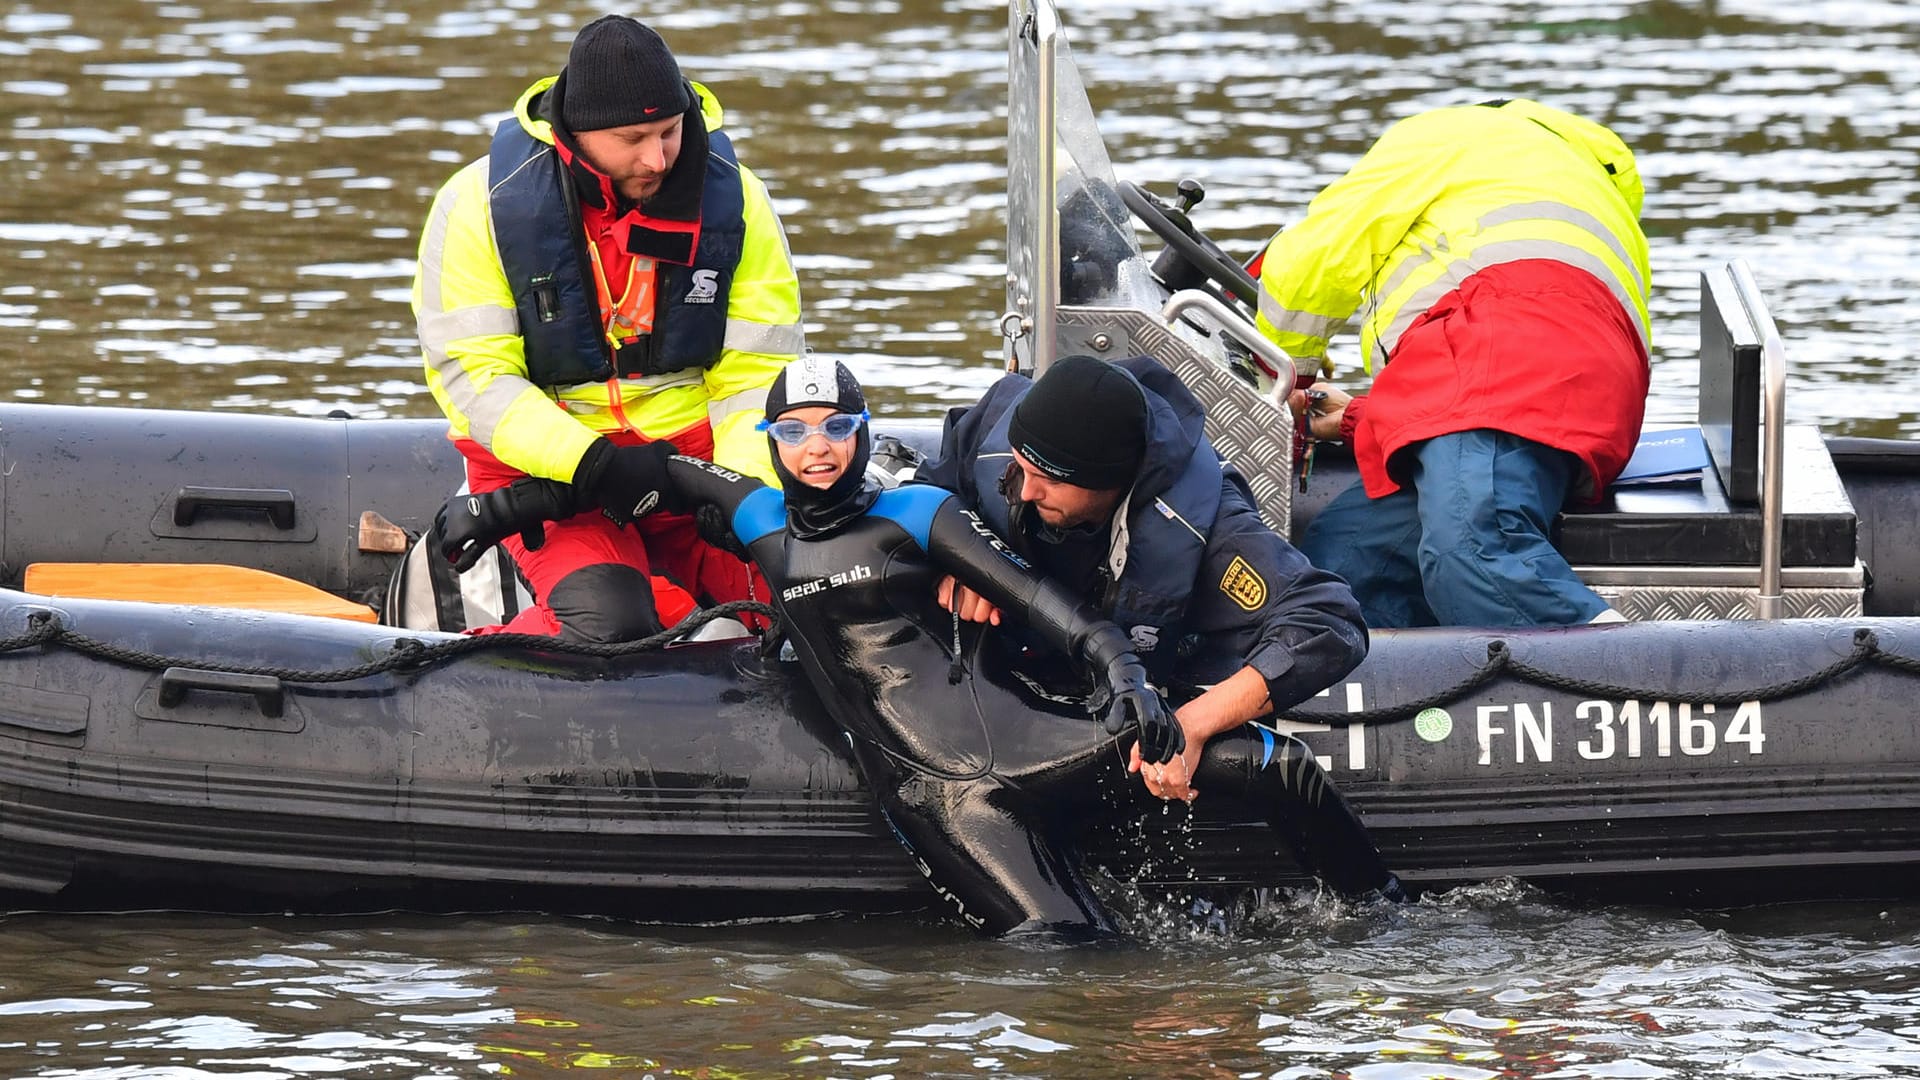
(712,493)
(1259,603)
(961,543)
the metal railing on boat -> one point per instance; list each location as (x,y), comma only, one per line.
(1773,353)
(1235,325)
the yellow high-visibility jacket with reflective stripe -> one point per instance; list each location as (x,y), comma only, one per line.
(476,362)
(1444,194)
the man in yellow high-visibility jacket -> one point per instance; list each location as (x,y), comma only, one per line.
(608,286)
(1495,256)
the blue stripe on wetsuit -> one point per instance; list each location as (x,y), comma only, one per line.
(912,508)
(758,514)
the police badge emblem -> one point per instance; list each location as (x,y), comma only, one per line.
(1244,585)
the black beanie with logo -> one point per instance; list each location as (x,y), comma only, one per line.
(620,72)
(1084,422)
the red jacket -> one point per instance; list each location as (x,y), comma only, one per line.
(1534,348)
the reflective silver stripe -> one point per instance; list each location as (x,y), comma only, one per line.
(687,377)
(767,339)
(1377,296)
(1296,322)
(483,409)
(433,253)
(1400,273)
(779,230)
(754,401)
(1458,272)
(1507,251)
(1553,211)
(439,329)
(1506,215)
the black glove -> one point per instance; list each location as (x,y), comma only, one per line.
(469,525)
(714,526)
(627,482)
(1161,736)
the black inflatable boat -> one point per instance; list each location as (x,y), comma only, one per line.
(1749,736)
(145,759)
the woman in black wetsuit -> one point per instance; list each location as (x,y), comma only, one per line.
(989,786)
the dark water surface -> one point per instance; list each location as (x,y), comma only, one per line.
(215,205)
(1486,982)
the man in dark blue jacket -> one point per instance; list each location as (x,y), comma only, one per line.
(1100,475)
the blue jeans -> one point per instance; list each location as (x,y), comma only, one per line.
(1463,542)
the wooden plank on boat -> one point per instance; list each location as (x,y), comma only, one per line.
(210,584)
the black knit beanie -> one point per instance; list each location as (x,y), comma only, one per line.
(620,72)
(1084,423)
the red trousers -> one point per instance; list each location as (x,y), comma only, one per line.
(685,571)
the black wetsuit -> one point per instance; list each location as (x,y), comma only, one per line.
(987,785)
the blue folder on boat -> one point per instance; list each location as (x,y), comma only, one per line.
(1664,455)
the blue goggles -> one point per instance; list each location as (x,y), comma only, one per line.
(837,428)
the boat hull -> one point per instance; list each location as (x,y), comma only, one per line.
(662,785)
(702,782)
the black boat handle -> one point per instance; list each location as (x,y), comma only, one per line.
(276,503)
(268,692)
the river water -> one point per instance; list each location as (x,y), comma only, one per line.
(216,204)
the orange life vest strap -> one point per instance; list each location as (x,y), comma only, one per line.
(632,314)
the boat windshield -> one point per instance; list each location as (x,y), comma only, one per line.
(1065,190)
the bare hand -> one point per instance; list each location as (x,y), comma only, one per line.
(1328,411)
(1174,780)
(972,606)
